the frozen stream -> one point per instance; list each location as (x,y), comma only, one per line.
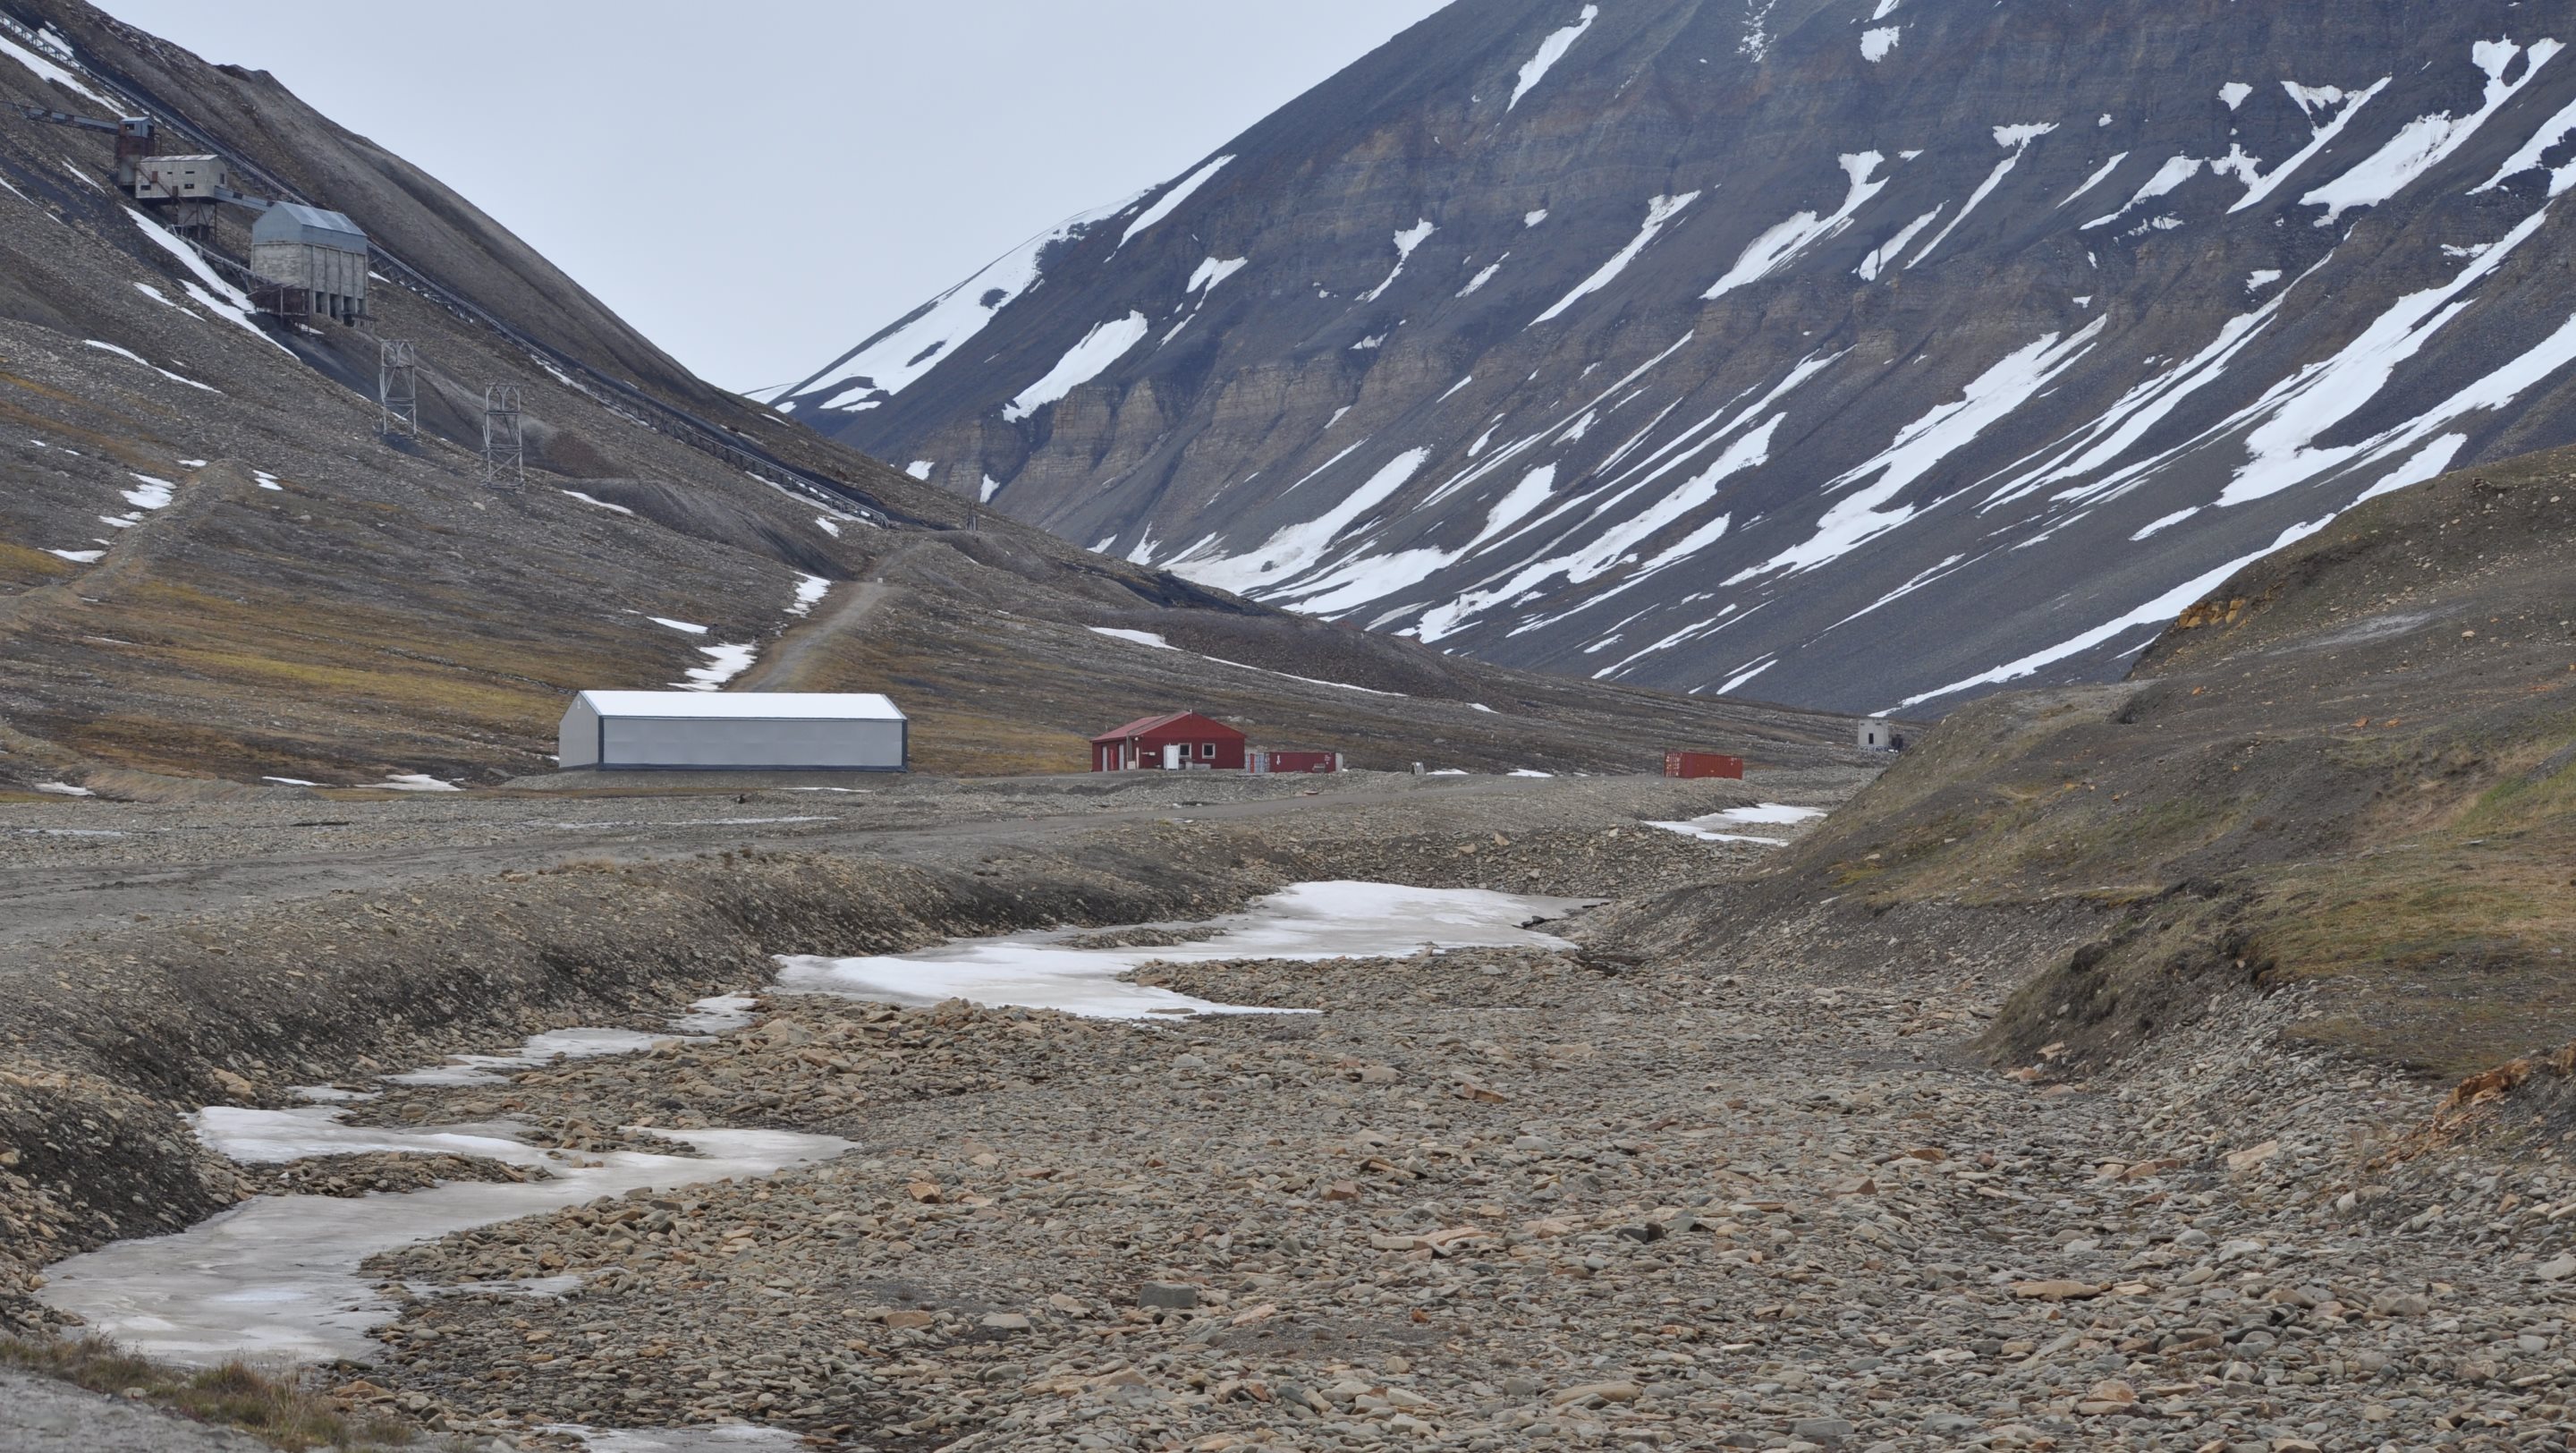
(277,1278)
(1305,921)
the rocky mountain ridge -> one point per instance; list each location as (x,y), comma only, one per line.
(1861,353)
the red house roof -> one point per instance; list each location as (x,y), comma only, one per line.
(1148,725)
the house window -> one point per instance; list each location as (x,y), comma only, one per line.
(1207,749)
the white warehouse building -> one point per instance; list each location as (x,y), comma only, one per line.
(750,731)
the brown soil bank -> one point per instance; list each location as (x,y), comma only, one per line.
(2351,770)
(119,1036)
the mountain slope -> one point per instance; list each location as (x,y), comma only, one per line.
(1861,353)
(2346,773)
(211,566)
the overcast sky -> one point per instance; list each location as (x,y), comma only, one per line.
(882,149)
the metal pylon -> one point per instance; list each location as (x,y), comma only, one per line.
(505,458)
(398,387)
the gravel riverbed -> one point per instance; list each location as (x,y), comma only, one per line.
(1498,1199)
(1630,1195)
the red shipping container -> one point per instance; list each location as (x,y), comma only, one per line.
(1294,762)
(1702,764)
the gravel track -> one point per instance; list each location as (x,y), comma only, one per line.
(80,866)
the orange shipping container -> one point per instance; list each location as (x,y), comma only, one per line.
(1702,764)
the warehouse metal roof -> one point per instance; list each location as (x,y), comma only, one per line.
(295,222)
(745,705)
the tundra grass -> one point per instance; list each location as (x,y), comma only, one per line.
(285,1410)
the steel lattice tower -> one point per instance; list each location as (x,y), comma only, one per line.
(398,387)
(505,457)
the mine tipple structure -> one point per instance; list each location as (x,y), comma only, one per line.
(184,192)
(310,263)
(305,262)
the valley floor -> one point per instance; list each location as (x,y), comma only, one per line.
(1494,1198)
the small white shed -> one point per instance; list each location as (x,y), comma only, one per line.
(747,731)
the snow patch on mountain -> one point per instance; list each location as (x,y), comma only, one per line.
(1171,200)
(2096,179)
(1082,363)
(45,69)
(209,288)
(1921,446)
(2304,407)
(2552,134)
(2156,614)
(1659,214)
(1550,51)
(1212,272)
(1894,247)
(894,360)
(2427,141)
(2321,136)
(1405,243)
(2013,139)
(1774,249)
(1297,547)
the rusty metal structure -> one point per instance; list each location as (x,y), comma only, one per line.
(505,454)
(398,388)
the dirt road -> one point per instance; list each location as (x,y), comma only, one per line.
(81,868)
(783,668)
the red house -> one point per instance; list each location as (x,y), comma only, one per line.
(1174,742)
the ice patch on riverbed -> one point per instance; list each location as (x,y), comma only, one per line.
(480,1069)
(730,1439)
(275,1137)
(277,1277)
(719,1015)
(1771,812)
(1310,921)
(1713,828)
